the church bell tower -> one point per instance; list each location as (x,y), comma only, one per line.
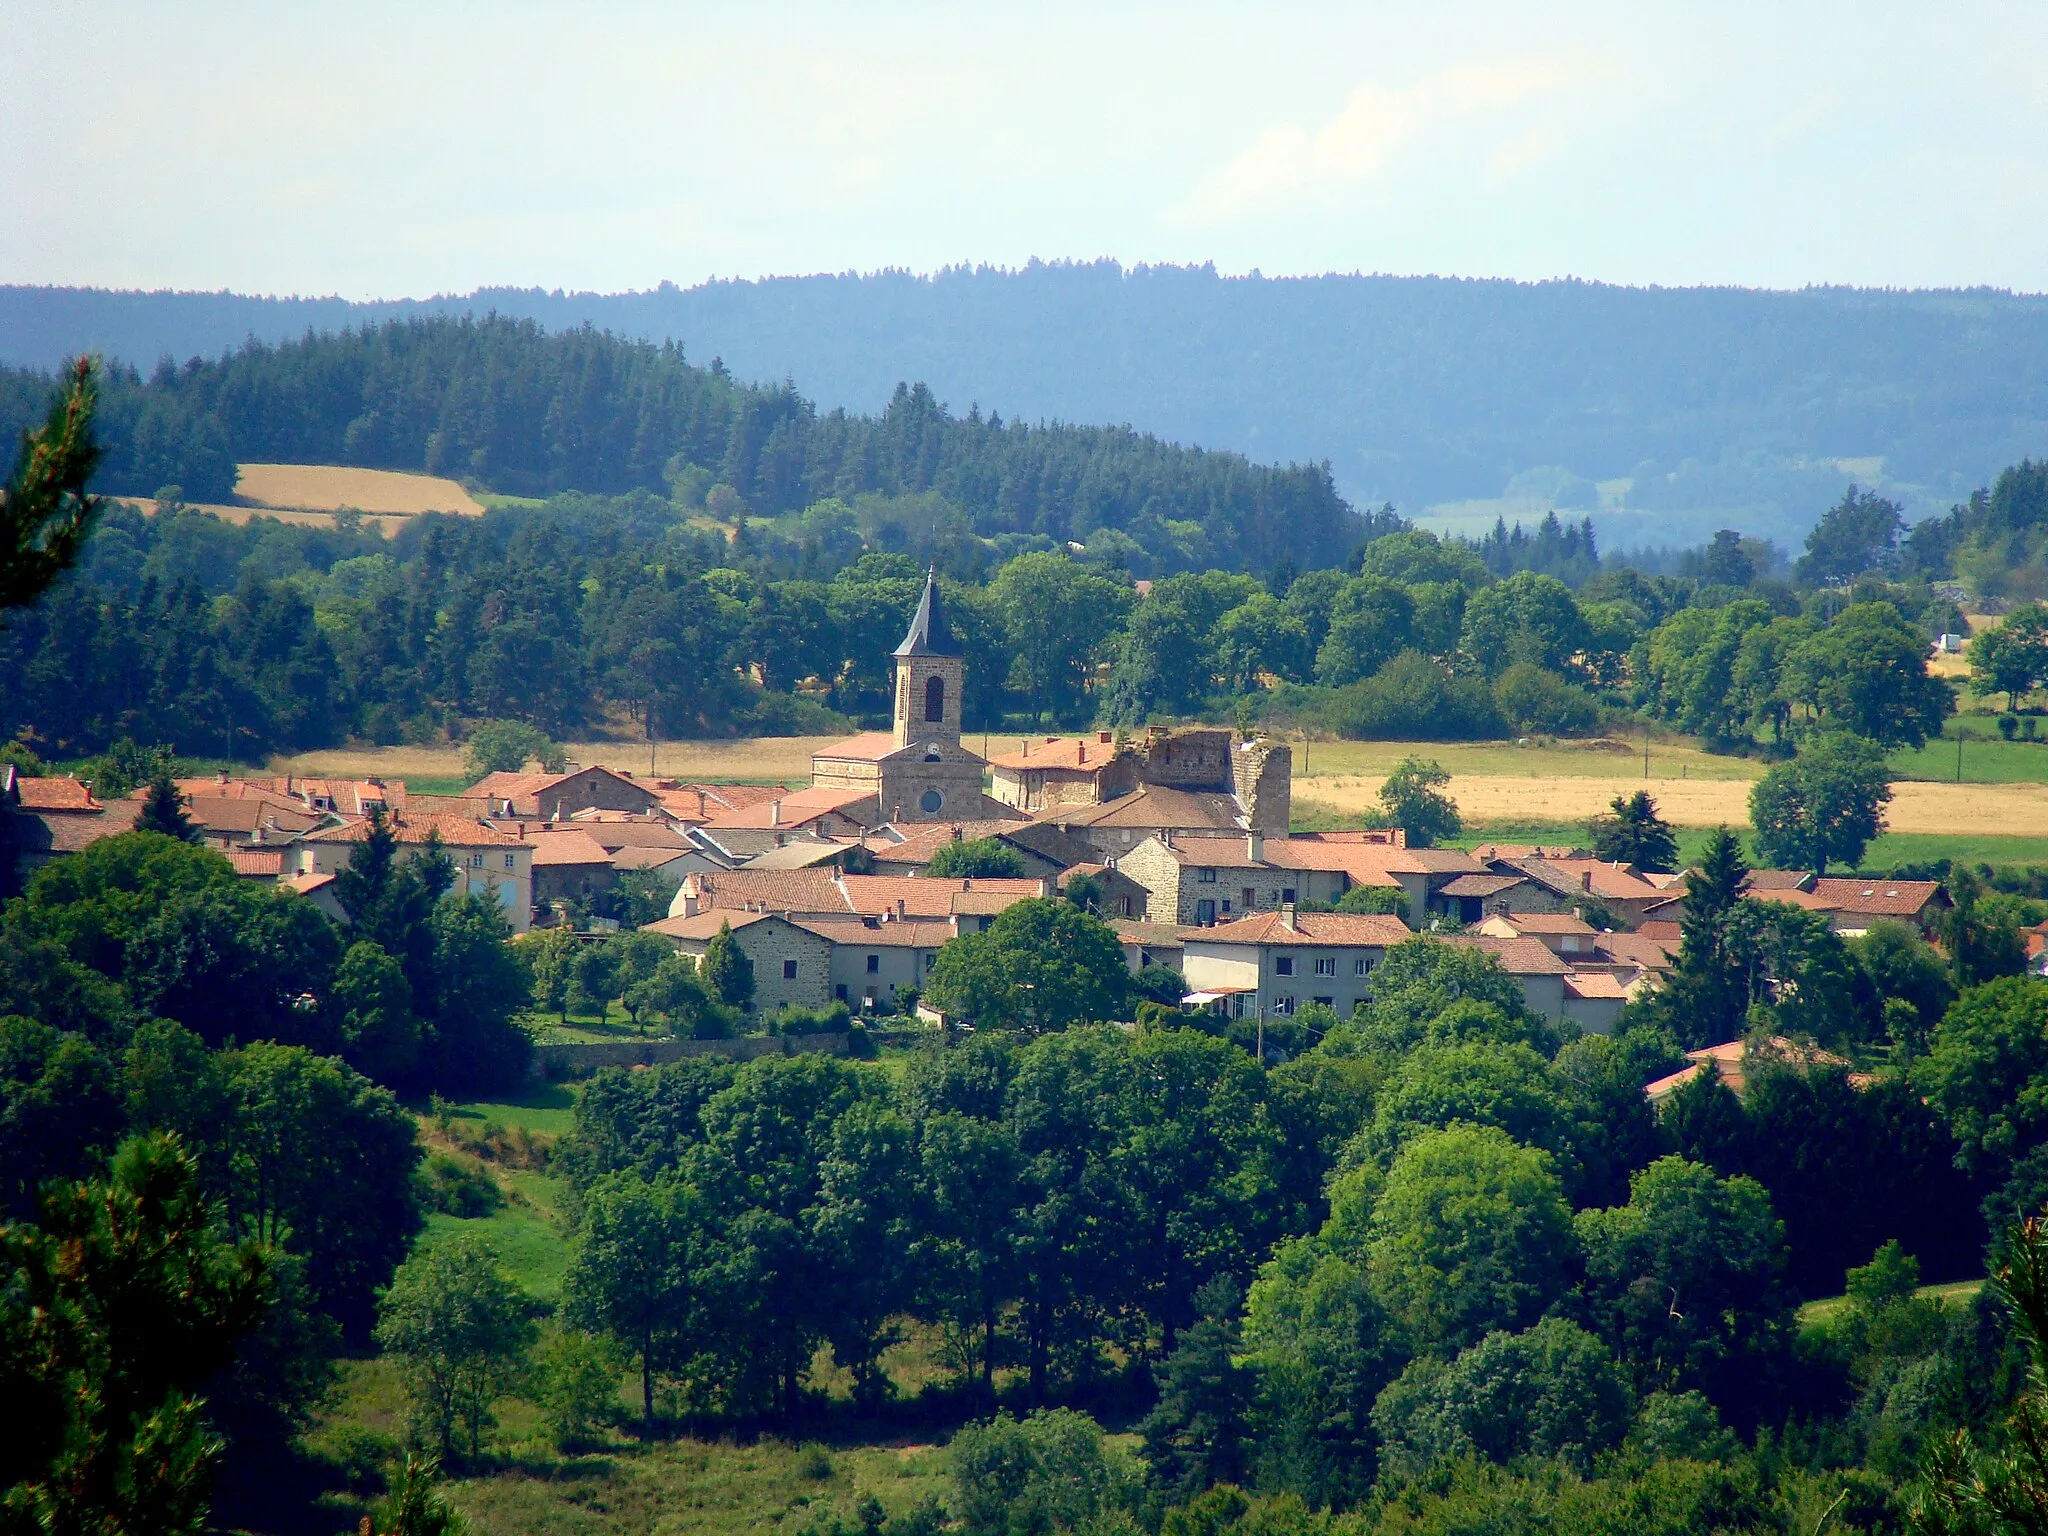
(929,674)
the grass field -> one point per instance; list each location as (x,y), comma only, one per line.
(1957,1293)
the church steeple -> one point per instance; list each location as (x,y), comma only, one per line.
(929,672)
(928,634)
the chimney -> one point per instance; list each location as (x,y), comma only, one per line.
(223,777)
(902,908)
(1585,879)
(1255,847)
(1103,737)
(774,813)
(1287,917)
(1027,746)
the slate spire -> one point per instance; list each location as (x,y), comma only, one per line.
(928,634)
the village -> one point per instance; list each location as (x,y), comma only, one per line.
(1179,839)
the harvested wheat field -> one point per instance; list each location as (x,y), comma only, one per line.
(2000,810)
(331,487)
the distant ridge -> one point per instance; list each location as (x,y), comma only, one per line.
(1661,412)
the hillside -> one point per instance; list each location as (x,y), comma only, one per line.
(513,408)
(1665,413)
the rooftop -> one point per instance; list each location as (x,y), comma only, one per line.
(1070,752)
(1348,929)
(453,831)
(929,634)
(553,850)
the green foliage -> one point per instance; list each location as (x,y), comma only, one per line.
(163,811)
(1413,799)
(1987,1073)
(548,957)
(1825,806)
(1552,1391)
(980,858)
(575,1384)
(1536,701)
(1471,1233)
(60,1106)
(1686,1281)
(1859,533)
(727,973)
(2011,658)
(45,513)
(122,1305)
(1983,941)
(1414,697)
(1049,1471)
(1041,965)
(1383,900)
(1636,834)
(458,1328)
(1198,1434)
(380,1037)
(507,746)
(458,1188)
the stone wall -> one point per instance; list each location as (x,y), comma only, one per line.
(1263,780)
(553,1063)
(1197,759)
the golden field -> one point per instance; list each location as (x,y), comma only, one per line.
(1491,783)
(331,487)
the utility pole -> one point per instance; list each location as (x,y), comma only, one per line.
(1959,751)
(1646,754)
(1260,1053)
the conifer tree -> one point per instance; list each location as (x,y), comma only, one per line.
(45,514)
(728,973)
(164,811)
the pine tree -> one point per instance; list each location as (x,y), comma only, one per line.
(1636,834)
(728,973)
(45,514)
(362,887)
(1706,997)
(164,811)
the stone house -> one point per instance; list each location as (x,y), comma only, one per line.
(551,796)
(876,958)
(792,965)
(1272,964)
(488,862)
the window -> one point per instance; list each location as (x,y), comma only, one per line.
(874,964)
(1360,966)
(931,959)
(1326,1002)
(789,970)
(1283,1006)
(935,700)
(1205,877)
(930,801)
(1251,898)
(1205,912)
(840,992)
(509,862)
(1283,965)
(1326,965)
(1287,893)
(476,861)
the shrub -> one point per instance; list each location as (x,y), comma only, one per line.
(1414,698)
(1534,700)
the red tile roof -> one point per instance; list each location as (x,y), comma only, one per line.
(852,932)
(1309,928)
(1083,753)
(1878,898)
(705,924)
(794,809)
(868,747)
(1518,957)
(1593,984)
(1152,805)
(563,849)
(1732,1057)
(256,863)
(64,794)
(454,831)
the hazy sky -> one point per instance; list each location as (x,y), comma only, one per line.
(377,151)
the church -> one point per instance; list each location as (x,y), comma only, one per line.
(917,770)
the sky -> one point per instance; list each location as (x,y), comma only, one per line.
(399,151)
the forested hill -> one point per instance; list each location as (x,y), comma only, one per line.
(507,405)
(1694,408)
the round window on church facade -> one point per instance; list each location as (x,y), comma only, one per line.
(930,801)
